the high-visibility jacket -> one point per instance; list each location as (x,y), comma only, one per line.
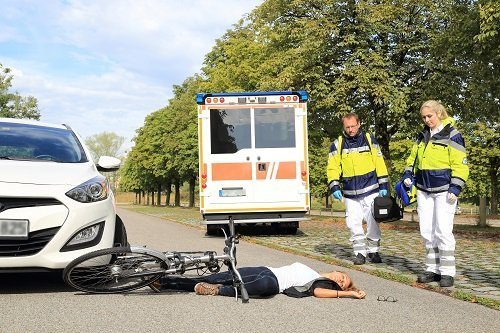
(356,163)
(439,163)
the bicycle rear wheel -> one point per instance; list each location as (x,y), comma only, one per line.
(113,270)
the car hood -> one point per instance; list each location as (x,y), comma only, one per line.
(46,173)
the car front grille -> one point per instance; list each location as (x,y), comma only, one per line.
(26,247)
(9,203)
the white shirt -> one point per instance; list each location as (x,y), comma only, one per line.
(293,275)
(437,129)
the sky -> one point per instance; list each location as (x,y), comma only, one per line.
(104,65)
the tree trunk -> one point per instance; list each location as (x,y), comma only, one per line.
(482,212)
(147,198)
(192,184)
(168,191)
(494,186)
(144,197)
(327,200)
(158,195)
(382,135)
(177,196)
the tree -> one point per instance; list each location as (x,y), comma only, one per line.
(104,144)
(182,142)
(13,105)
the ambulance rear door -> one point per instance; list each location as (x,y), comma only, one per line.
(253,153)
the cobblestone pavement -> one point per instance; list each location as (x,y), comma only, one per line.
(402,252)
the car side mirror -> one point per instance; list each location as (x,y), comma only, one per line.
(108,163)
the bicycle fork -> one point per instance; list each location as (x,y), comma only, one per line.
(231,248)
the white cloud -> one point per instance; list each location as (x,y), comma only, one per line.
(104,65)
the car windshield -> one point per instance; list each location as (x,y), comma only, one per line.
(39,143)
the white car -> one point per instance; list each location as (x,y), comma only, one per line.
(54,203)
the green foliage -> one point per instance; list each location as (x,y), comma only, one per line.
(380,59)
(104,144)
(13,105)
(318,158)
(166,147)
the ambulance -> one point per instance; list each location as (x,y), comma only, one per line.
(253,159)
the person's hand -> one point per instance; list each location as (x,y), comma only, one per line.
(407,182)
(337,195)
(359,294)
(382,193)
(452,197)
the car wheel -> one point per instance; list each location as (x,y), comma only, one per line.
(120,233)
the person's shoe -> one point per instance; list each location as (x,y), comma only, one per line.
(204,288)
(446,281)
(375,258)
(427,277)
(156,286)
(359,260)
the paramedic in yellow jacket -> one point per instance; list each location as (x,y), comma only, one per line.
(438,166)
(356,171)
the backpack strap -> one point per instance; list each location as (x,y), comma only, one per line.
(308,289)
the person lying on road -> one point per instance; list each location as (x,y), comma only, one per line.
(295,280)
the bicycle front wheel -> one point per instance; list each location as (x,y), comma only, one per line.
(113,270)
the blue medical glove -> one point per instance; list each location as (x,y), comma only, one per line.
(337,195)
(382,193)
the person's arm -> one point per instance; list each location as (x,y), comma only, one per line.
(334,167)
(330,293)
(458,163)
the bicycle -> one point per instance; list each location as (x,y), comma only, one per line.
(123,269)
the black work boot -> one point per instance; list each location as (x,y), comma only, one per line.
(446,281)
(375,258)
(427,277)
(359,260)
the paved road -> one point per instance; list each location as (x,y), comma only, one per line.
(39,303)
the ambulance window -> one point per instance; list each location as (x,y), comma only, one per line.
(275,128)
(230,130)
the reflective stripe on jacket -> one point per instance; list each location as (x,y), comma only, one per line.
(361,170)
(441,163)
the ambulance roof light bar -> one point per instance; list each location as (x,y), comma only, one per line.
(259,97)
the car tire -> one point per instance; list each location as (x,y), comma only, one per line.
(120,238)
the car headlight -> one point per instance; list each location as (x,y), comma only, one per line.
(84,238)
(92,190)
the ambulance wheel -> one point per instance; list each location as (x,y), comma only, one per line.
(214,229)
(290,230)
(285,228)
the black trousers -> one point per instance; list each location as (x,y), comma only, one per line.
(259,282)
